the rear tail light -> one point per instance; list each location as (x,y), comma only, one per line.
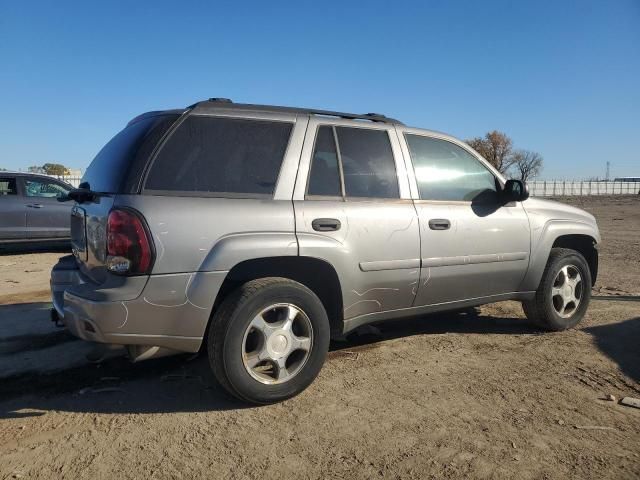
(129,245)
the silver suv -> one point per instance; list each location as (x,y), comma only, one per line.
(260,232)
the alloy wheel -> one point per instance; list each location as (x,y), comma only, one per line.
(277,343)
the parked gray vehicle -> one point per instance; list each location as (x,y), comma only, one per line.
(260,232)
(30,212)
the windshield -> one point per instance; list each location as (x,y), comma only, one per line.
(125,152)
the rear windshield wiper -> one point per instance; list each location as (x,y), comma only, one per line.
(81,194)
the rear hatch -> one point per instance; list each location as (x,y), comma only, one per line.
(118,168)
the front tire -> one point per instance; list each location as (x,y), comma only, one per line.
(563,296)
(268,340)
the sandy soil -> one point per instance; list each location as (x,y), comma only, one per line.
(479,394)
(25,276)
(619,221)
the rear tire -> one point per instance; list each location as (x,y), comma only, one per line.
(268,340)
(562,298)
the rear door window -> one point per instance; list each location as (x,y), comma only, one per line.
(360,166)
(216,156)
(367,163)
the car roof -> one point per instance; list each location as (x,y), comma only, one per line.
(217,104)
(213,105)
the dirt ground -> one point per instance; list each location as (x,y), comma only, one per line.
(479,394)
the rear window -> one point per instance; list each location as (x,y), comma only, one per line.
(126,153)
(8,186)
(216,156)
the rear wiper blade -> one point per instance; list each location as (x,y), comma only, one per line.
(80,195)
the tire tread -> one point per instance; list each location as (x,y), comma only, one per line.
(222,320)
(536,309)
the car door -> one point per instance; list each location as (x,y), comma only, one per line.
(13,217)
(353,209)
(46,216)
(473,246)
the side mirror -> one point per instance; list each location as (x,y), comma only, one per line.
(515,191)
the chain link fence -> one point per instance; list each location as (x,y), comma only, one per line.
(555,188)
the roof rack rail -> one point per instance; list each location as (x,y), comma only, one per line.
(227,103)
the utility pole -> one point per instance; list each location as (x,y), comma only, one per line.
(608,168)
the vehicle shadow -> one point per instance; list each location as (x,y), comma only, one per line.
(181,383)
(619,341)
(26,247)
(616,298)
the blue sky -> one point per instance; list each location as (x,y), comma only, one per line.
(559,77)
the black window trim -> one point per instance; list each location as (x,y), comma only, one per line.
(344,197)
(188,193)
(20,186)
(496,179)
(339,158)
(192,194)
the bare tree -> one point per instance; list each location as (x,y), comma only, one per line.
(526,164)
(496,148)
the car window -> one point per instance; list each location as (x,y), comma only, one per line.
(324,176)
(124,156)
(367,163)
(221,155)
(8,186)
(43,188)
(445,171)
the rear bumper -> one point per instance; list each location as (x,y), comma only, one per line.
(64,275)
(170,311)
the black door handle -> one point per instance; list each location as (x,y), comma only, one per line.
(35,205)
(439,224)
(326,224)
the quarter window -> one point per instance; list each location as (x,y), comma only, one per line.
(215,155)
(7,186)
(123,158)
(445,171)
